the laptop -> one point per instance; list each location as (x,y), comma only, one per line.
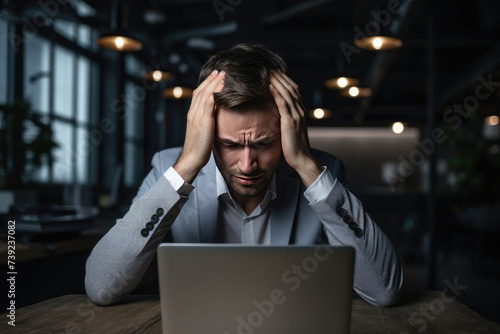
(242,289)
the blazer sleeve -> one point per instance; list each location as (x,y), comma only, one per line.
(378,269)
(119,260)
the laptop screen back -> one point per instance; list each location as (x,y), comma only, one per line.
(239,289)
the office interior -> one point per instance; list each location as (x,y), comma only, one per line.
(416,122)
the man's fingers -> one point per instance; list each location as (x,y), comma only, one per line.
(280,101)
(207,101)
(285,80)
(204,96)
(293,88)
(195,101)
(213,85)
(294,108)
(207,80)
(210,100)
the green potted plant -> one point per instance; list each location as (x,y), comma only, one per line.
(26,143)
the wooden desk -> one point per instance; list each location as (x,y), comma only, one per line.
(28,251)
(417,312)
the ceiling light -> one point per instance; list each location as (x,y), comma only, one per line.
(158,75)
(378,43)
(320,113)
(356,92)
(119,42)
(178,92)
(116,40)
(492,120)
(398,127)
(491,130)
(341,82)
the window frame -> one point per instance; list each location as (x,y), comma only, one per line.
(77,51)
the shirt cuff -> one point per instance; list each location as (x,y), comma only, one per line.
(321,187)
(182,188)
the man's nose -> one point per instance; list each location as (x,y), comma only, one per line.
(248,160)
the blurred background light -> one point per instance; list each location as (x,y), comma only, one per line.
(341,82)
(398,127)
(378,43)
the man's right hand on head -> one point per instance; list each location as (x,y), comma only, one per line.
(200,128)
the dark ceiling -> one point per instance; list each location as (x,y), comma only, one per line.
(313,37)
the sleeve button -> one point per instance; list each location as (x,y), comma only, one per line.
(154,219)
(144,232)
(342,212)
(159,211)
(358,232)
(150,226)
(348,219)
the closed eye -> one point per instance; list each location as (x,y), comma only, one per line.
(228,143)
(232,146)
(263,144)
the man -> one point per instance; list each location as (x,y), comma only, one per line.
(246,174)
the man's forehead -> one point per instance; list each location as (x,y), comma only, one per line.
(255,133)
(260,121)
(261,118)
(265,107)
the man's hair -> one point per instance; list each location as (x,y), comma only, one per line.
(246,84)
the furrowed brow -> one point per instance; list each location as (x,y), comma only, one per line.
(266,139)
(226,141)
(260,141)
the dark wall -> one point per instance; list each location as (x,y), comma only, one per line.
(365,150)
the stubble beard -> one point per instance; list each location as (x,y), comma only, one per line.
(246,191)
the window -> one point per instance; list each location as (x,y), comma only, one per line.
(65,28)
(135,94)
(61,83)
(85,37)
(65,158)
(3,60)
(64,82)
(134,134)
(37,73)
(83,92)
(83,9)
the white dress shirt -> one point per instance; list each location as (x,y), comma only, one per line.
(237,226)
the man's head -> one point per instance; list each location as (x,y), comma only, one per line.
(247,145)
(246,83)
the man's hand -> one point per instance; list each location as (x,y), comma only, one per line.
(294,139)
(200,128)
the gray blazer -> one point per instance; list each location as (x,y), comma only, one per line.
(159,214)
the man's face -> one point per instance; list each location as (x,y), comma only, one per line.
(247,149)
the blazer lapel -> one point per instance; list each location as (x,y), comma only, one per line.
(207,203)
(283,207)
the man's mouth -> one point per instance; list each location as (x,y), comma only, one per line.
(247,180)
